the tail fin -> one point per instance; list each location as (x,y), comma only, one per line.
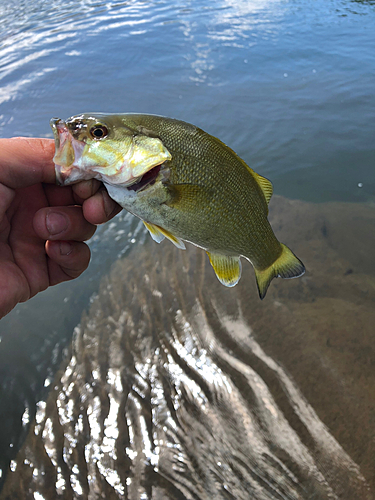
(286,266)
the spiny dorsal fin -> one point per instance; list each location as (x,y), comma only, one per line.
(265,186)
(227,269)
(158,234)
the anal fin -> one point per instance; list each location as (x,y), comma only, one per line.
(158,234)
(227,269)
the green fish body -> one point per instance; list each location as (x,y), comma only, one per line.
(190,187)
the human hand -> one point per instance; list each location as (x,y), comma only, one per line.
(43,226)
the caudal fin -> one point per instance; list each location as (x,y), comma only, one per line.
(286,266)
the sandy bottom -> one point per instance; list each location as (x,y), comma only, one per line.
(176,387)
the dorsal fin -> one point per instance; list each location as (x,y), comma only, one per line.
(265,185)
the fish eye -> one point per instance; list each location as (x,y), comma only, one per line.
(99,131)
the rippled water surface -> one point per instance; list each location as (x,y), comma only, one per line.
(290,86)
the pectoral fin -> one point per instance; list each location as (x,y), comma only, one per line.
(227,269)
(188,196)
(158,234)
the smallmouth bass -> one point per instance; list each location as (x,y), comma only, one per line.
(184,184)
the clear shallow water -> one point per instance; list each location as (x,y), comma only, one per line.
(288,85)
(176,387)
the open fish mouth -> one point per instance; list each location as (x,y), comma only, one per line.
(67,151)
(148,179)
(65,177)
(134,162)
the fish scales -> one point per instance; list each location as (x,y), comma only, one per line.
(237,193)
(184,184)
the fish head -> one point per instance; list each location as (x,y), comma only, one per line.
(98,146)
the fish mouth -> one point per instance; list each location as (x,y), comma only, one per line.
(148,179)
(76,161)
(67,149)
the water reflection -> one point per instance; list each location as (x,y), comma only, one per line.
(66,27)
(235,21)
(175,386)
(236,25)
(273,80)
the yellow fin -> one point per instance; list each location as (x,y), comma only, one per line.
(265,186)
(227,269)
(155,232)
(188,195)
(286,266)
(158,234)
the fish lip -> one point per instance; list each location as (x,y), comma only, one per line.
(56,125)
(65,173)
(60,175)
(54,122)
(68,176)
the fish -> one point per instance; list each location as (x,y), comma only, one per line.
(183,183)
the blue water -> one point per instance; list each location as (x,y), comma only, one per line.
(289,85)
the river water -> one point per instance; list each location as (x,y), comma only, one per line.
(289,85)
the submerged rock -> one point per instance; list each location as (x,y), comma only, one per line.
(179,388)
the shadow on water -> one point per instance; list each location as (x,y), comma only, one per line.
(176,387)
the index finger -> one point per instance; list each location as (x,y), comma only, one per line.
(25,161)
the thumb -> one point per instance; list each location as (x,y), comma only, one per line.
(26,161)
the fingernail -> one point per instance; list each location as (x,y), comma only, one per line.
(65,248)
(109,204)
(56,223)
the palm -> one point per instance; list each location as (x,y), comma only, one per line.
(28,264)
(36,249)
(22,251)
